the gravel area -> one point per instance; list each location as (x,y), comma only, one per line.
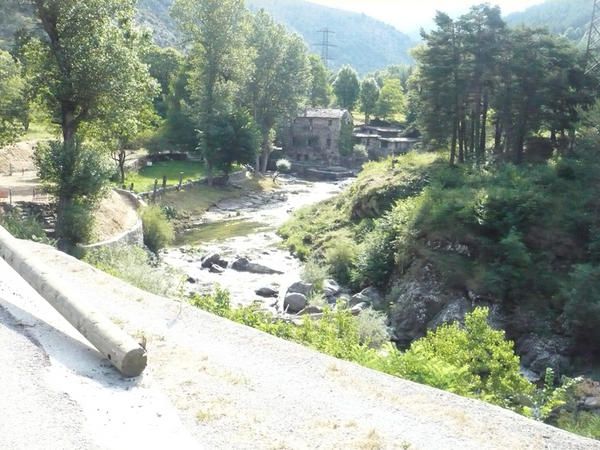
(227,386)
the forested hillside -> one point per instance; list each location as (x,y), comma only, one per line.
(570,18)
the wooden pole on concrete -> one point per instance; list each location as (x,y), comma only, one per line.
(120,349)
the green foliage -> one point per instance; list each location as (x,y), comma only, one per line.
(320,90)
(135,266)
(86,71)
(78,175)
(369,94)
(28,227)
(340,257)
(372,328)
(236,139)
(280,78)
(13,108)
(583,423)
(346,88)
(216,30)
(314,273)
(391,100)
(581,293)
(158,231)
(474,360)
(474,66)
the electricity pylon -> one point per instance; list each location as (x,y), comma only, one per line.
(325,45)
(593,44)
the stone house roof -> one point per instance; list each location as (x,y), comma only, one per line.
(322,113)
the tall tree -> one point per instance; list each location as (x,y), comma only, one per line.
(369,94)
(164,65)
(391,99)
(216,30)
(87,65)
(13,108)
(320,89)
(346,88)
(280,78)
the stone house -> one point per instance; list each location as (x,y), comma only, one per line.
(381,142)
(316,136)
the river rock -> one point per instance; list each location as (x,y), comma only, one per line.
(300,287)
(267,292)
(191,280)
(331,288)
(294,303)
(357,309)
(210,260)
(369,295)
(216,269)
(311,309)
(538,353)
(244,265)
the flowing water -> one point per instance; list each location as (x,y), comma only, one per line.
(246,227)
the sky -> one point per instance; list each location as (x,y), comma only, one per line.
(410,15)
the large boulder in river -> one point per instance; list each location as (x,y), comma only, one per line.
(331,289)
(300,287)
(244,265)
(294,303)
(213,259)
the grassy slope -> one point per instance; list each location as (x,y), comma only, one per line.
(510,234)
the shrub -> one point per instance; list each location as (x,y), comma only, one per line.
(314,273)
(78,222)
(372,328)
(582,308)
(340,256)
(283,165)
(24,227)
(474,360)
(134,265)
(158,231)
(375,259)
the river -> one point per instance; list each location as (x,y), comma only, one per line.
(246,227)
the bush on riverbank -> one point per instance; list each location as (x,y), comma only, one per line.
(473,360)
(158,231)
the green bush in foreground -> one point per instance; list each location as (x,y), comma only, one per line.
(475,360)
(158,231)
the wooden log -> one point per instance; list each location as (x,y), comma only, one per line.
(112,342)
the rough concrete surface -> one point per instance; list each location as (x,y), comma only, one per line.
(211,383)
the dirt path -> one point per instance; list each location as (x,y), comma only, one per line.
(234,387)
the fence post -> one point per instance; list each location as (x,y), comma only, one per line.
(180,181)
(155,189)
(164,185)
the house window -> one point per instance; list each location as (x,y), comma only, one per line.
(306,158)
(313,142)
(384,144)
(295,141)
(328,143)
(298,156)
(330,122)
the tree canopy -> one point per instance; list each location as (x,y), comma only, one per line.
(346,88)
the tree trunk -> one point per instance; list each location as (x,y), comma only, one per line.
(483,133)
(498,136)
(453,145)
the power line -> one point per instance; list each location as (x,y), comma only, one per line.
(592,54)
(325,45)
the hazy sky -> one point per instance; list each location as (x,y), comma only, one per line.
(410,15)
